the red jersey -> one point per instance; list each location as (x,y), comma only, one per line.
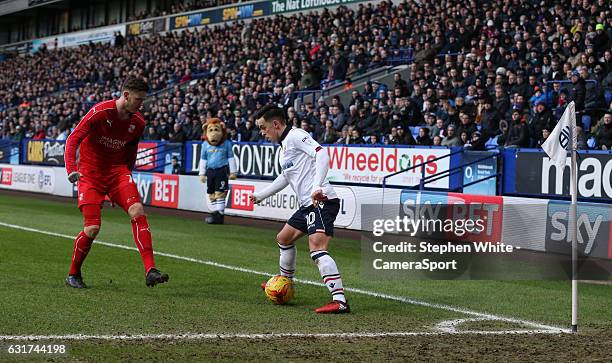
(105,141)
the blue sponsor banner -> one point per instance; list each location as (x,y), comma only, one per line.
(9,152)
(144,184)
(593,221)
(414,197)
(192,156)
(219,15)
(479,171)
(172,150)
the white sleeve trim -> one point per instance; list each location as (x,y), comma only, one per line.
(202,167)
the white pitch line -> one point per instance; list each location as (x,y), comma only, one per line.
(209,336)
(535,325)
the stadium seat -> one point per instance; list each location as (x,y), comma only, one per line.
(586,123)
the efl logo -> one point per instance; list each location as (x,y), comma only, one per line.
(239,197)
(165,190)
(7,176)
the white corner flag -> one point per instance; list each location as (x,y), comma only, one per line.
(563,137)
(561,140)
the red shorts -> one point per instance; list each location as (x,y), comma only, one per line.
(94,186)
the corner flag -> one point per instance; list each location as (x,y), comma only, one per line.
(561,140)
(563,137)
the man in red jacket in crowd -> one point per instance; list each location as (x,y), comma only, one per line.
(108,139)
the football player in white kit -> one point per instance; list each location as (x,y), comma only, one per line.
(304,166)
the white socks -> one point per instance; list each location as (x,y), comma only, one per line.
(287,260)
(329,274)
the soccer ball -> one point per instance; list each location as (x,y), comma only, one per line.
(279,289)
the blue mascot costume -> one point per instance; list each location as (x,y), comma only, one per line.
(217,165)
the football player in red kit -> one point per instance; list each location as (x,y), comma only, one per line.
(107,139)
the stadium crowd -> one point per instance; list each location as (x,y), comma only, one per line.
(481,73)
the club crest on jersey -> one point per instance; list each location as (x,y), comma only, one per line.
(287,164)
(132,128)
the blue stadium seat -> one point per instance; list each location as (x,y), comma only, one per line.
(492,143)
(586,123)
(608,96)
(414,130)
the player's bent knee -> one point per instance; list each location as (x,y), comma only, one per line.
(211,197)
(318,241)
(136,210)
(91,231)
(283,239)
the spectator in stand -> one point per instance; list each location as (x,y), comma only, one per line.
(451,138)
(466,125)
(356,138)
(476,143)
(248,132)
(464,138)
(578,91)
(345,135)
(495,54)
(439,129)
(329,135)
(392,138)
(423,138)
(177,135)
(373,140)
(545,134)
(404,136)
(603,132)
(176,166)
(518,134)
(541,119)
(337,117)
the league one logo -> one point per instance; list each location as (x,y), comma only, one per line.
(564,137)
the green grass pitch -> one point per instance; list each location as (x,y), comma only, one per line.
(205,299)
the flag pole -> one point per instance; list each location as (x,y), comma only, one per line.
(574,233)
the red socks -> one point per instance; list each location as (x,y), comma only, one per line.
(144,242)
(82,244)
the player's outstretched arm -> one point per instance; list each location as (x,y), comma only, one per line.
(277,185)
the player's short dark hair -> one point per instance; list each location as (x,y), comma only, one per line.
(270,112)
(137,84)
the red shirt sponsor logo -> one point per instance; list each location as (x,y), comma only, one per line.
(239,197)
(6,176)
(165,191)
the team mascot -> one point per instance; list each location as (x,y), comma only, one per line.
(215,160)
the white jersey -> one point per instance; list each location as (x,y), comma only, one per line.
(297,159)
